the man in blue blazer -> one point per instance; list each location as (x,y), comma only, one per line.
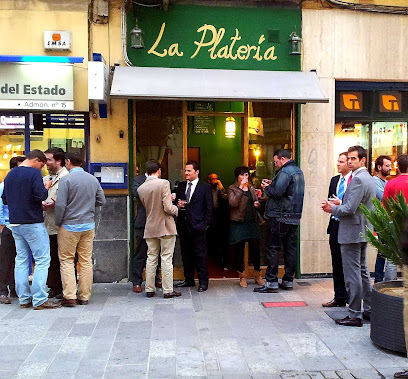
(194,199)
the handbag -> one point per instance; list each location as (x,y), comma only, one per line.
(259,218)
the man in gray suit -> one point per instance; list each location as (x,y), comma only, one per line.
(352,228)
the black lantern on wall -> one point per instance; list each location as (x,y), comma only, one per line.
(295,41)
(136,37)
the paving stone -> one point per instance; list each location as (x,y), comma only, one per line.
(366,374)
(127,371)
(223,333)
(65,363)
(162,367)
(328,374)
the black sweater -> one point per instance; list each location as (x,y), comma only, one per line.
(24,192)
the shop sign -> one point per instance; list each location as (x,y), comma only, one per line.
(351,101)
(390,102)
(12,122)
(57,40)
(197,36)
(42,86)
(212,41)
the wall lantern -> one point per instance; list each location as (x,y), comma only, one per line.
(295,44)
(230,127)
(136,37)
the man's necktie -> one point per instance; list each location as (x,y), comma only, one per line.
(340,192)
(349,179)
(188,191)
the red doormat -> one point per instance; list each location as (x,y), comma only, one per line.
(284,304)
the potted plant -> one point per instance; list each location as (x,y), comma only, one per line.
(387,304)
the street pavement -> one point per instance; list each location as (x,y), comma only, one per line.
(222,333)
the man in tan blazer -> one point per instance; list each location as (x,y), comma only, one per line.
(160,230)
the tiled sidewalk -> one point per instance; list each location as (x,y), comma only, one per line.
(222,333)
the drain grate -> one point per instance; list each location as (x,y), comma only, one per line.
(304,284)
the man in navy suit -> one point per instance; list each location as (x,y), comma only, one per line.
(194,199)
(337,188)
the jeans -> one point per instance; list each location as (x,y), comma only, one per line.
(285,235)
(390,270)
(34,238)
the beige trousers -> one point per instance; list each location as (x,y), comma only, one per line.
(163,246)
(70,243)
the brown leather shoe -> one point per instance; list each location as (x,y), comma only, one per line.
(158,283)
(347,321)
(137,288)
(150,294)
(69,302)
(48,305)
(172,294)
(26,305)
(82,302)
(4,299)
(333,303)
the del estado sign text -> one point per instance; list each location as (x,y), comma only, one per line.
(36,86)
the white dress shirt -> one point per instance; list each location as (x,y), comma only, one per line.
(193,187)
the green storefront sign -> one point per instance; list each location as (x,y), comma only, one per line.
(196,36)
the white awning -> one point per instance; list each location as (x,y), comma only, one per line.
(230,85)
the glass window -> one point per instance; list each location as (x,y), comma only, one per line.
(389,138)
(270,128)
(11,145)
(159,135)
(379,138)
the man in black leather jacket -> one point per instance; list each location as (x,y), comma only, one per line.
(283,211)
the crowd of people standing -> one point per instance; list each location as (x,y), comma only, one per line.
(52,221)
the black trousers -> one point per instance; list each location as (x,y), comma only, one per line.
(340,293)
(239,252)
(286,235)
(54,273)
(139,258)
(7,261)
(193,245)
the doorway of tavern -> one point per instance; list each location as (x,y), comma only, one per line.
(174,132)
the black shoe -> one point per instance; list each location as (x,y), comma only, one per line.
(265,289)
(150,294)
(367,316)
(347,321)
(202,288)
(172,294)
(185,284)
(54,293)
(401,375)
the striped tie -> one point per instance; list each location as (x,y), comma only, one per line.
(340,192)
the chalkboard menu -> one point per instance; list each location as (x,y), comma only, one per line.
(204,124)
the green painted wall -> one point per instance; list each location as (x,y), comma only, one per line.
(217,153)
(245,30)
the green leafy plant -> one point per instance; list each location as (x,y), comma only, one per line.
(388,222)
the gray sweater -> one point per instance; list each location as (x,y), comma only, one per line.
(78,195)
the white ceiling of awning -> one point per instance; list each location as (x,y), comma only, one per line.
(193,84)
